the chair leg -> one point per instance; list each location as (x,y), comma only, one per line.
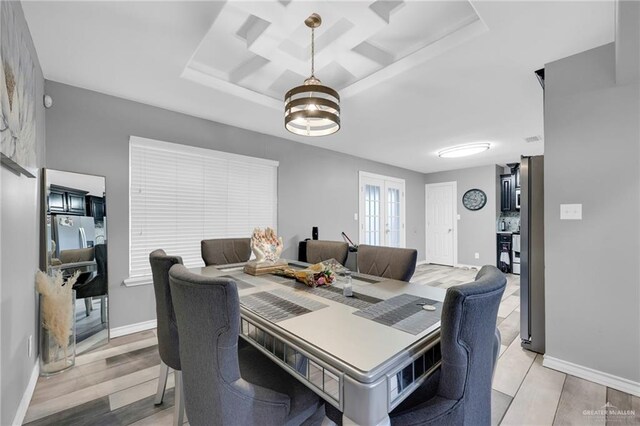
(87,305)
(178,409)
(162,382)
(103,309)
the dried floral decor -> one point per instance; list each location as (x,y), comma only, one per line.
(57,319)
(319,274)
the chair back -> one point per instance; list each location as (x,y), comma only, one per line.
(98,284)
(100,251)
(467,336)
(319,251)
(224,251)
(167,329)
(387,262)
(208,314)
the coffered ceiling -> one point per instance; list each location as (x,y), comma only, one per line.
(259,50)
(414,76)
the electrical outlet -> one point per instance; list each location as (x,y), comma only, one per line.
(570,211)
(477,255)
(355,216)
(30,346)
(458,217)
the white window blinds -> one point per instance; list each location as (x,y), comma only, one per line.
(180,195)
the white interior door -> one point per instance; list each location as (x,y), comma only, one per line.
(441,215)
(382,215)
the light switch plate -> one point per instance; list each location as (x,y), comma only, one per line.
(570,211)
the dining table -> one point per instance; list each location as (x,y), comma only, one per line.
(363,354)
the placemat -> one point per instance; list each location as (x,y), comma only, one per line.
(242,284)
(403,312)
(279,305)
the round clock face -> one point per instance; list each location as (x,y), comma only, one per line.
(474,199)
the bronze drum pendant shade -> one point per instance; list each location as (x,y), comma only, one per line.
(312,109)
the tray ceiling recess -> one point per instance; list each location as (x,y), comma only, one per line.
(259,50)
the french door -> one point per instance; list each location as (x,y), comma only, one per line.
(382,210)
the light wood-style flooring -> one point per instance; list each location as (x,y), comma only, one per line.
(525,392)
(115,384)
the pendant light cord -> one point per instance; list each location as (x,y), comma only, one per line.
(313,52)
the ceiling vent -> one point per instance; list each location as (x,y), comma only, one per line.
(531,139)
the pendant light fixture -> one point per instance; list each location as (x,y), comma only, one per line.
(312,109)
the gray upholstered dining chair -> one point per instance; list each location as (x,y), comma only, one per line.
(168,341)
(223,251)
(320,250)
(97,285)
(387,262)
(460,393)
(224,386)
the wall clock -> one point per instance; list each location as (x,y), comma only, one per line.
(474,199)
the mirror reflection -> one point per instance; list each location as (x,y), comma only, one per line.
(76,240)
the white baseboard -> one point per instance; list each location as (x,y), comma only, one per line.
(422,262)
(26,397)
(606,379)
(132,328)
(462,265)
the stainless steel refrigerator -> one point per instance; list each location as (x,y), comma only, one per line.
(73,232)
(532,331)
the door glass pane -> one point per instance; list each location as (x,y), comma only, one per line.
(393,217)
(372,214)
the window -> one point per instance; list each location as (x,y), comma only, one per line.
(381,210)
(180,195)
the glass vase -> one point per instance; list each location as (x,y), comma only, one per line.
(53,357)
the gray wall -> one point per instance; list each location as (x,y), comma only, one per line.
(476,229)
(592,140)
(20,230)
(88,132)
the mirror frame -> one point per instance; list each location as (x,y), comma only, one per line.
(44,213)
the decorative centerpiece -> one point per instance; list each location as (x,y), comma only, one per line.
(57,333)
(267,247)
(319,274)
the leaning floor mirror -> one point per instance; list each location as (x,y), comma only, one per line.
(75,240)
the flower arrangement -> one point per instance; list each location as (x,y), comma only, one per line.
(56,305)
(320,274)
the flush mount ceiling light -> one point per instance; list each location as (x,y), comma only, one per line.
(464,150)
(312,109)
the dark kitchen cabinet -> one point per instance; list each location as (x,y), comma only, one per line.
(96,207)
(57,201)
(66,201)
(507,193)
(515,172)
(75,203)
